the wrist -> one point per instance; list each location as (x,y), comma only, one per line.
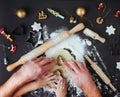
(90,90)
(21,76)
(14,82)
(60,96)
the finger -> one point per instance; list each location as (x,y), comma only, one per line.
(68,68)
(44,61)
(55,87)
(61,84)
(74,66)
(49,65)
(65,81)
(52,81)
(49,87)
(49,75)
(51,78)
(81,65)
(37,59)
(44,75)
(84,66)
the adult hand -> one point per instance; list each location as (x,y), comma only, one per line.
(82,78)
(61,88)
(32,69)
(79,72)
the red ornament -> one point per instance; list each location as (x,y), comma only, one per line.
(13,48)
(117,14)
(100,6)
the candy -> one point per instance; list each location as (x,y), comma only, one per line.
(7,36)
(55,13)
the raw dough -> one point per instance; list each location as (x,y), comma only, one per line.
(59,70)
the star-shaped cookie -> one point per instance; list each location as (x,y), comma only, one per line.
(118,65)
(36,26)
(110,30)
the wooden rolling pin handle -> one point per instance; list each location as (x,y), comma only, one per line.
(100,73)
(101,39)
(14,65)
(112,87)
(93,35)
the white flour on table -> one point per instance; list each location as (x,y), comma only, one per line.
(75,44)
(78,48)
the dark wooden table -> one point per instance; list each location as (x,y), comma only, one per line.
(9,21)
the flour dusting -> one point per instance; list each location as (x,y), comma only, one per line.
(75,44)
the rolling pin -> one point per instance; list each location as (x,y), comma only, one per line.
(93,35)
(100,73)
(45,46)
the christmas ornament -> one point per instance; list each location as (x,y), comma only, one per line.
(21,13)
(36,26)
(100,20)
(72,19)
(13,48)
(42,15)
(7,36)
(5,59)
(110,30)
(80,11)
(55,13)
(100,6)
(118,65)
(117,14)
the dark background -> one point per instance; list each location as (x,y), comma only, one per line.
(10,21)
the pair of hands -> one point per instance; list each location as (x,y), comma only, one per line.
(36,74)
(37,68)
